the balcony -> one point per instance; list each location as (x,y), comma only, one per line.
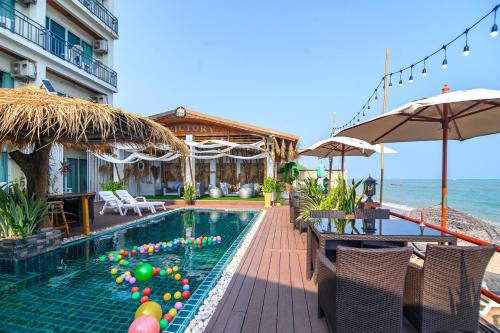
(103,14)
(20,24)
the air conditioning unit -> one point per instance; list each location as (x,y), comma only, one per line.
(24,70)
(101,46)
(27,2)
(101,99)
(75,55)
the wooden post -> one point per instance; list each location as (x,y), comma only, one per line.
(444,182)
(384,105)
(85,215)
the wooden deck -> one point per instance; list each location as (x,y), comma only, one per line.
(269,292)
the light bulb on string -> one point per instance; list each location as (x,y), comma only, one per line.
(376,96)
(444,64)
(466,51)
(390,81)
(410,80)
(400,78)
(368,108)
(424,70)
(494,27)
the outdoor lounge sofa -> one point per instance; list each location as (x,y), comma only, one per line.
(112,202)
(445,293)
(128,198)
(363,291)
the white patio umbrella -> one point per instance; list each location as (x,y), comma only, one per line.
(458,115)
(342,146)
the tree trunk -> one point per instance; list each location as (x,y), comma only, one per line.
(35,167)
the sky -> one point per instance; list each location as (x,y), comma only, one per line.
(289,65)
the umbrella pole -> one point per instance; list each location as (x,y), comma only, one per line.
(343,155)
(444,176)
(330,165)
(384,105)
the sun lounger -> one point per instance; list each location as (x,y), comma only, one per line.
(127,198)
(112,202)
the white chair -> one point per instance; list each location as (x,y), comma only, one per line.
(112,202)
(128,198)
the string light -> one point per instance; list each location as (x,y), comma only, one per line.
(444,64)
(494,28)
(466,52)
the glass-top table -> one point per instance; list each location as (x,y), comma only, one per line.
(326,234)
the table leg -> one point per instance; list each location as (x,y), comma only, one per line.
(85,216)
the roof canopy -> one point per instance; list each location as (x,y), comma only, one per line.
(30,115)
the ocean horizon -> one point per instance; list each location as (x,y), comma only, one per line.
(477,197)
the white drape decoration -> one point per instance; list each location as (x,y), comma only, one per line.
(204,150)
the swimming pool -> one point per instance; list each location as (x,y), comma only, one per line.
(71,290)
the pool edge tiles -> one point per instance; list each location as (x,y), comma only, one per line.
(186,320)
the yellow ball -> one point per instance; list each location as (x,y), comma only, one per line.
(169,271)
(150,249)
(120,262)
(127,273)
(175,268)
(149,309)
(177,276)
(119,280)
(167,297)
(114,271)
(119,256)
(172,312)
(177,295)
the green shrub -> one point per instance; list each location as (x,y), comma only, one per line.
(188,192)
(113,186)
(20,214)
(269,185)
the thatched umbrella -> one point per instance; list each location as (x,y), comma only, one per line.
(32,118)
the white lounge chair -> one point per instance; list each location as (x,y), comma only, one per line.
(112,202)
(128,198)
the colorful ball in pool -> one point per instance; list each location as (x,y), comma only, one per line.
(115,259)
(124,263)
(114,271)
(132,280)
(162,272)
(149,309)
(127,278)
(133,252)
(186,294)
(163,324)
(145,324)
(168,271)
(185,287)
(177,295)
(175,268)
(111,258)
(144,299)
(184,282)
(172,312)
(178,305)
(167,317)
(219,239)
(143,272)
(177,276)
(134,289)
(102,258)
(119,280)
(127,273)
(136,295)
(125,253)
(119,257)
(146,291)
(167,297)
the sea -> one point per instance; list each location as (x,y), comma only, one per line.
(477,197)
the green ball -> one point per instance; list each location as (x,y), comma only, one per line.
(116,259)
(135,247)
(163,324)
(102,258)
(162,272)
(204,242)
(136,295)
(143,272)
(125,263)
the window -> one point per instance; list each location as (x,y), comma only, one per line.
(4,175)
(76,180)
(6,80)
(57,38)
(73,39)
(7,11)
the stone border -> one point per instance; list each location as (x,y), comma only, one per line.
(206,311)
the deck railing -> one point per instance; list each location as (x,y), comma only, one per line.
(102,13)
(27,28)
(466,238)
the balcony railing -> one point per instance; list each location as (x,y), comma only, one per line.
(101,13)
(25,27)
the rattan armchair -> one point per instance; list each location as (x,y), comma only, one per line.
(445,293)
(363,291)
(378,214)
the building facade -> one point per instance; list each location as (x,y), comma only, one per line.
(67,46)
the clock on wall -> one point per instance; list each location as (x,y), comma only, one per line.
(180,112)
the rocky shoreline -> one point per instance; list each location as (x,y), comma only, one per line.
(460,222)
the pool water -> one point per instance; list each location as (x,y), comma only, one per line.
(71,290)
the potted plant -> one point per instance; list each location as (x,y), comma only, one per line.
(268,188)
(279,189)
(189,194)
(112,186)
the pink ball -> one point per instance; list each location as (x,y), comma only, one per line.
(144,324)
(178,305)
(111,258)
(127,278)
(132,280)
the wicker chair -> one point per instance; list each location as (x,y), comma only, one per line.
(445,293)
(297,222)
(377,214)
(363,291)
(328,214)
